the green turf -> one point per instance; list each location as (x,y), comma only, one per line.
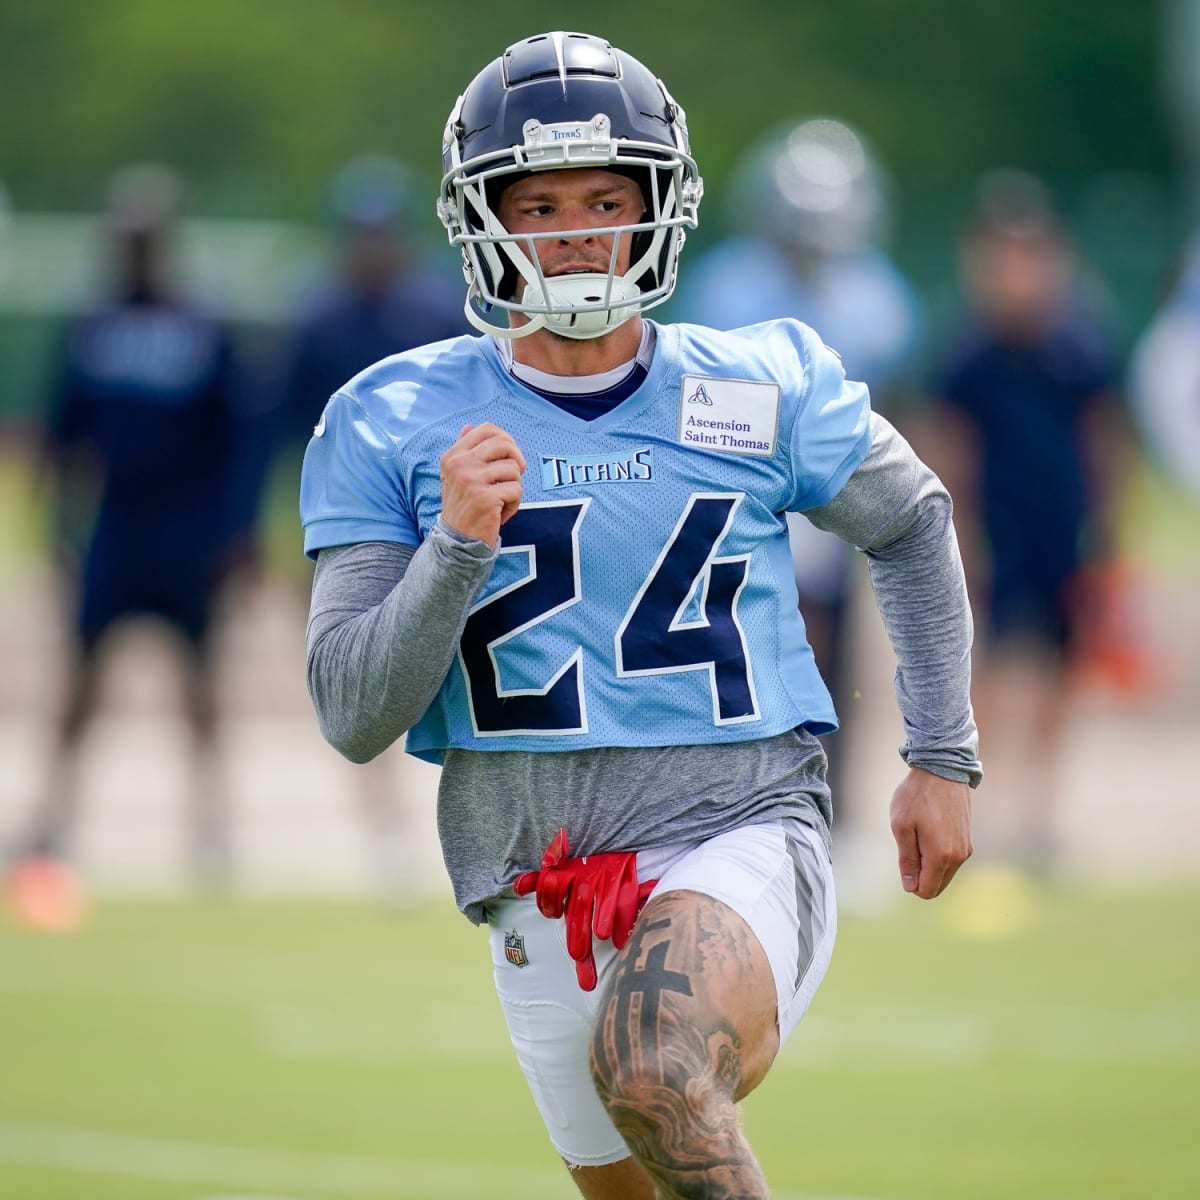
(179,1050)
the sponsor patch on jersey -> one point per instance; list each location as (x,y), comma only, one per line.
(730,416)
(514,949)
(581,470)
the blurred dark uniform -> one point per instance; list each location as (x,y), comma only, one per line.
(1028,402)
(155,468)
(1031,376)
(147,389)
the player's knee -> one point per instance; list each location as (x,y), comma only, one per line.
(622,1081)
(644,1105)
(643,1080)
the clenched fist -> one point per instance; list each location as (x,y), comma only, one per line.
(481,481)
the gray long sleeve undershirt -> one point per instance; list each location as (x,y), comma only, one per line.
(378,651)
(900,515)
(385,621)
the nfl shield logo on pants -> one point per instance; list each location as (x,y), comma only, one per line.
(514,949)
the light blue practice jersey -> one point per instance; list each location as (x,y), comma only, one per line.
(643,594)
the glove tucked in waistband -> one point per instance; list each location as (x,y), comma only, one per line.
(598,894)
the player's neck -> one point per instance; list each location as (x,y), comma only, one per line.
(556,355)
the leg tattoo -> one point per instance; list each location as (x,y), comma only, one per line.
(667,1064)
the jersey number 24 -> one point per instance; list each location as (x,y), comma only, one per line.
(655,637)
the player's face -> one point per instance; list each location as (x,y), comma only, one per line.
(581,198)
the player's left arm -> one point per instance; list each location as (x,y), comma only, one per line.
(897,511)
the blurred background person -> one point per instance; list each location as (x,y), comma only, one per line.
(380,297)
(809,216)
(1029,428)
(152,508)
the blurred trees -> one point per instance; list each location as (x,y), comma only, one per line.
(259,99)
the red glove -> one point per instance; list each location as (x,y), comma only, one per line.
(599,895)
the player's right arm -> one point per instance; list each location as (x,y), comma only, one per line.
(386,618)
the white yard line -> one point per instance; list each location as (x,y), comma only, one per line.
(245,1196)
(891,1034)
(271,1173)
(96,1152)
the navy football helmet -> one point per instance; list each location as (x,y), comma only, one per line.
(555,101)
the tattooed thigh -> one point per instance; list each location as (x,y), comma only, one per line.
(689,1007)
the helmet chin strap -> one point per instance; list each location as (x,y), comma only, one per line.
(512,332)
(564,292)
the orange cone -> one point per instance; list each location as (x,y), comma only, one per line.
(45,894)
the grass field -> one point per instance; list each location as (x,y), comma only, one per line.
(995,1044)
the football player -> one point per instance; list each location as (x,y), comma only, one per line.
(556,556)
